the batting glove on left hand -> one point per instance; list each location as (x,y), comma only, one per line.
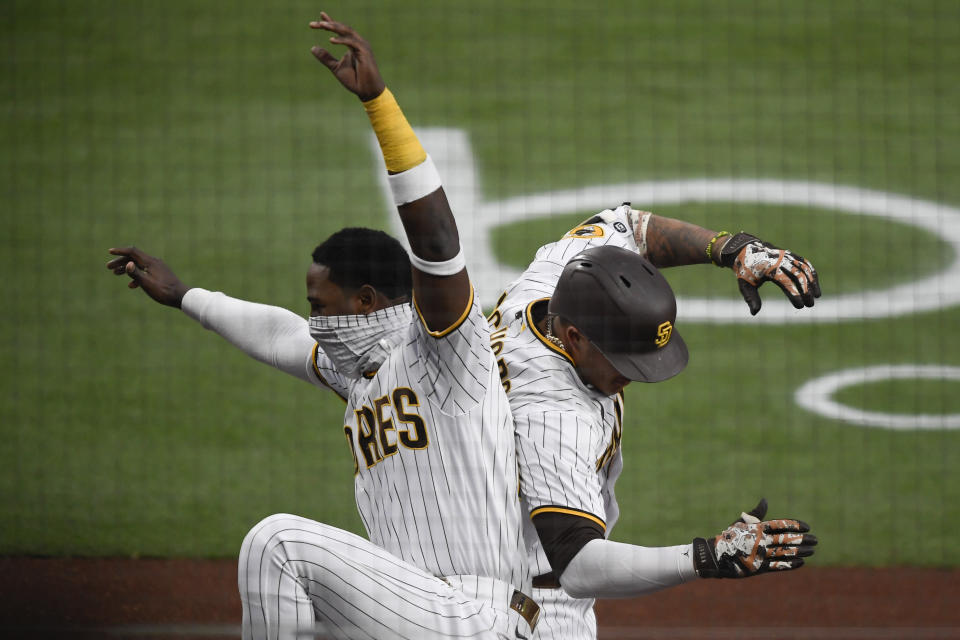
(750,547)
(754,262)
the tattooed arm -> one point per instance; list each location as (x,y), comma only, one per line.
(674,243)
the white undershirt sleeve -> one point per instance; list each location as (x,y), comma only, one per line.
(607,569)
(273,335)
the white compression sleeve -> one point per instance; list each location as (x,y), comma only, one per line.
(273,335)
(607,569)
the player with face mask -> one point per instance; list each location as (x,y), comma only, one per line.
(427,422)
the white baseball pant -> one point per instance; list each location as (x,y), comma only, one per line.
(303,579)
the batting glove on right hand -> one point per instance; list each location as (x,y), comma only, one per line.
(755,262)
(750,547)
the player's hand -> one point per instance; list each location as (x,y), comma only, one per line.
(755,262)
(750,547)
(357,69)
(148,273)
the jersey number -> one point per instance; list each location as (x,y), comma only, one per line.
(378,431)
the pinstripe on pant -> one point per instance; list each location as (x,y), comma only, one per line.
(299,578)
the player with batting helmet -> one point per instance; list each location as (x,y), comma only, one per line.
(591,314)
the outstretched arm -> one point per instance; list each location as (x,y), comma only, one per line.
(750,546)
(675,243)
(440,283)
(272,335)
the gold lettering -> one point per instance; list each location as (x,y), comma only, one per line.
(367,438)
(384,425)
(415,435)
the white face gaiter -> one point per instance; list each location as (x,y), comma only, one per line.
(359,344)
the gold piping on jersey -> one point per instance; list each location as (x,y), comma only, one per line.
(570,512)
(542,338)
(316,370)
(451,328)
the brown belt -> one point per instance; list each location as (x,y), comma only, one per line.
(526,607)
(546,581)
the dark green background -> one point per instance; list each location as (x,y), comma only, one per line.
(207,134)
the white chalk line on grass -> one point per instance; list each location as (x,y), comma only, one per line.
(817,396)
(476,220)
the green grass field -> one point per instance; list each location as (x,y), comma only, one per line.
(209,136)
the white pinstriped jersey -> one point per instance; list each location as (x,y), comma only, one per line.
(567,434)
(435,466)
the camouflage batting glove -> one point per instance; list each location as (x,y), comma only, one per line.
(748,548)
(755,262)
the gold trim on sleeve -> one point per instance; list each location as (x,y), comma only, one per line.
(570,512)
(456,325)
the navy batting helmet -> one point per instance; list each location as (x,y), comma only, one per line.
(626,308)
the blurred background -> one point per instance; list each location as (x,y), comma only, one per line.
(208,135)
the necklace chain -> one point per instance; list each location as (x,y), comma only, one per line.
(552,338)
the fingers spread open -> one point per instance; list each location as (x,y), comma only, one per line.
(351,40)
(325,57)
(328,24)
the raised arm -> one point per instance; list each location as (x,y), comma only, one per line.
(675,243)
(440,283)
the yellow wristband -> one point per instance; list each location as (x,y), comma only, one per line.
(709,249)
(399,144)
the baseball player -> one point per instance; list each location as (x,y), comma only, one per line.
(427,420)
(589,315)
